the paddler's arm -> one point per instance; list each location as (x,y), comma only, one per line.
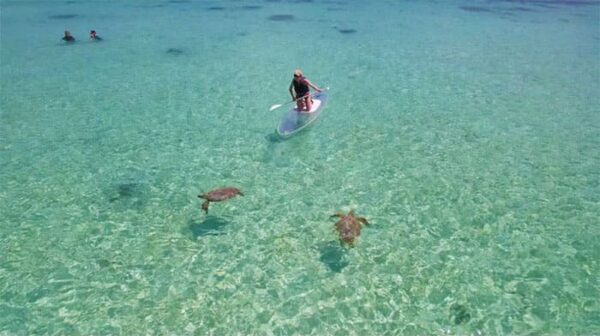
(292,91)
(313,86)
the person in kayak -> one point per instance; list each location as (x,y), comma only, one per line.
(300,91)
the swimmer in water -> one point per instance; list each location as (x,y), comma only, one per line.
(68,37)
(94,37)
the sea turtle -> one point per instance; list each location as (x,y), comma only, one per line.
(218,195)
(349,227)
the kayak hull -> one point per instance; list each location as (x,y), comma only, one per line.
(294,121)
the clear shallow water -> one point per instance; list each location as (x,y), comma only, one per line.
(467,133)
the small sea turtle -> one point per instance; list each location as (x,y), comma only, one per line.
(218,195)
(349,227)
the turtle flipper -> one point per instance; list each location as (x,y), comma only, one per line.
(205,206)
(363,220)
(339,214)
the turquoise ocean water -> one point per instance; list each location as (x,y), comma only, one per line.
(466,132)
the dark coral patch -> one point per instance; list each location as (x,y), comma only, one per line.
(578,3)
(552,3)
(347,31)
(459,314)
(251,7)
(128,189)
(174,51)
(567,2)
(281,17)
(521,9)
(475,9)
(128,195)
(62,16)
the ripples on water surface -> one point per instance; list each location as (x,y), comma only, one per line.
(466,132)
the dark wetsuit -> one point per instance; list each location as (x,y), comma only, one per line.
(69,38)
(300,87)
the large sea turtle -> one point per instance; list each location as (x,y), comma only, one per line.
(349,227)
(218,195)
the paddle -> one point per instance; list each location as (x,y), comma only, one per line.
(276,106)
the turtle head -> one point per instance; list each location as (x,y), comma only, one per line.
(347,240)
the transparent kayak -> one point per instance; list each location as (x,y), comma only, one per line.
(294,121)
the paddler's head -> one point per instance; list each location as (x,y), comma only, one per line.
(298,73)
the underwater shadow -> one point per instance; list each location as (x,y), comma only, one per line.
(275,151)
(211,226)
(273,138)
(128,194)
(333,255)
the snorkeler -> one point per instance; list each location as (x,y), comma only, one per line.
(68,37)
(94,37)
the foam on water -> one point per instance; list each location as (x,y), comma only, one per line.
(467,133)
